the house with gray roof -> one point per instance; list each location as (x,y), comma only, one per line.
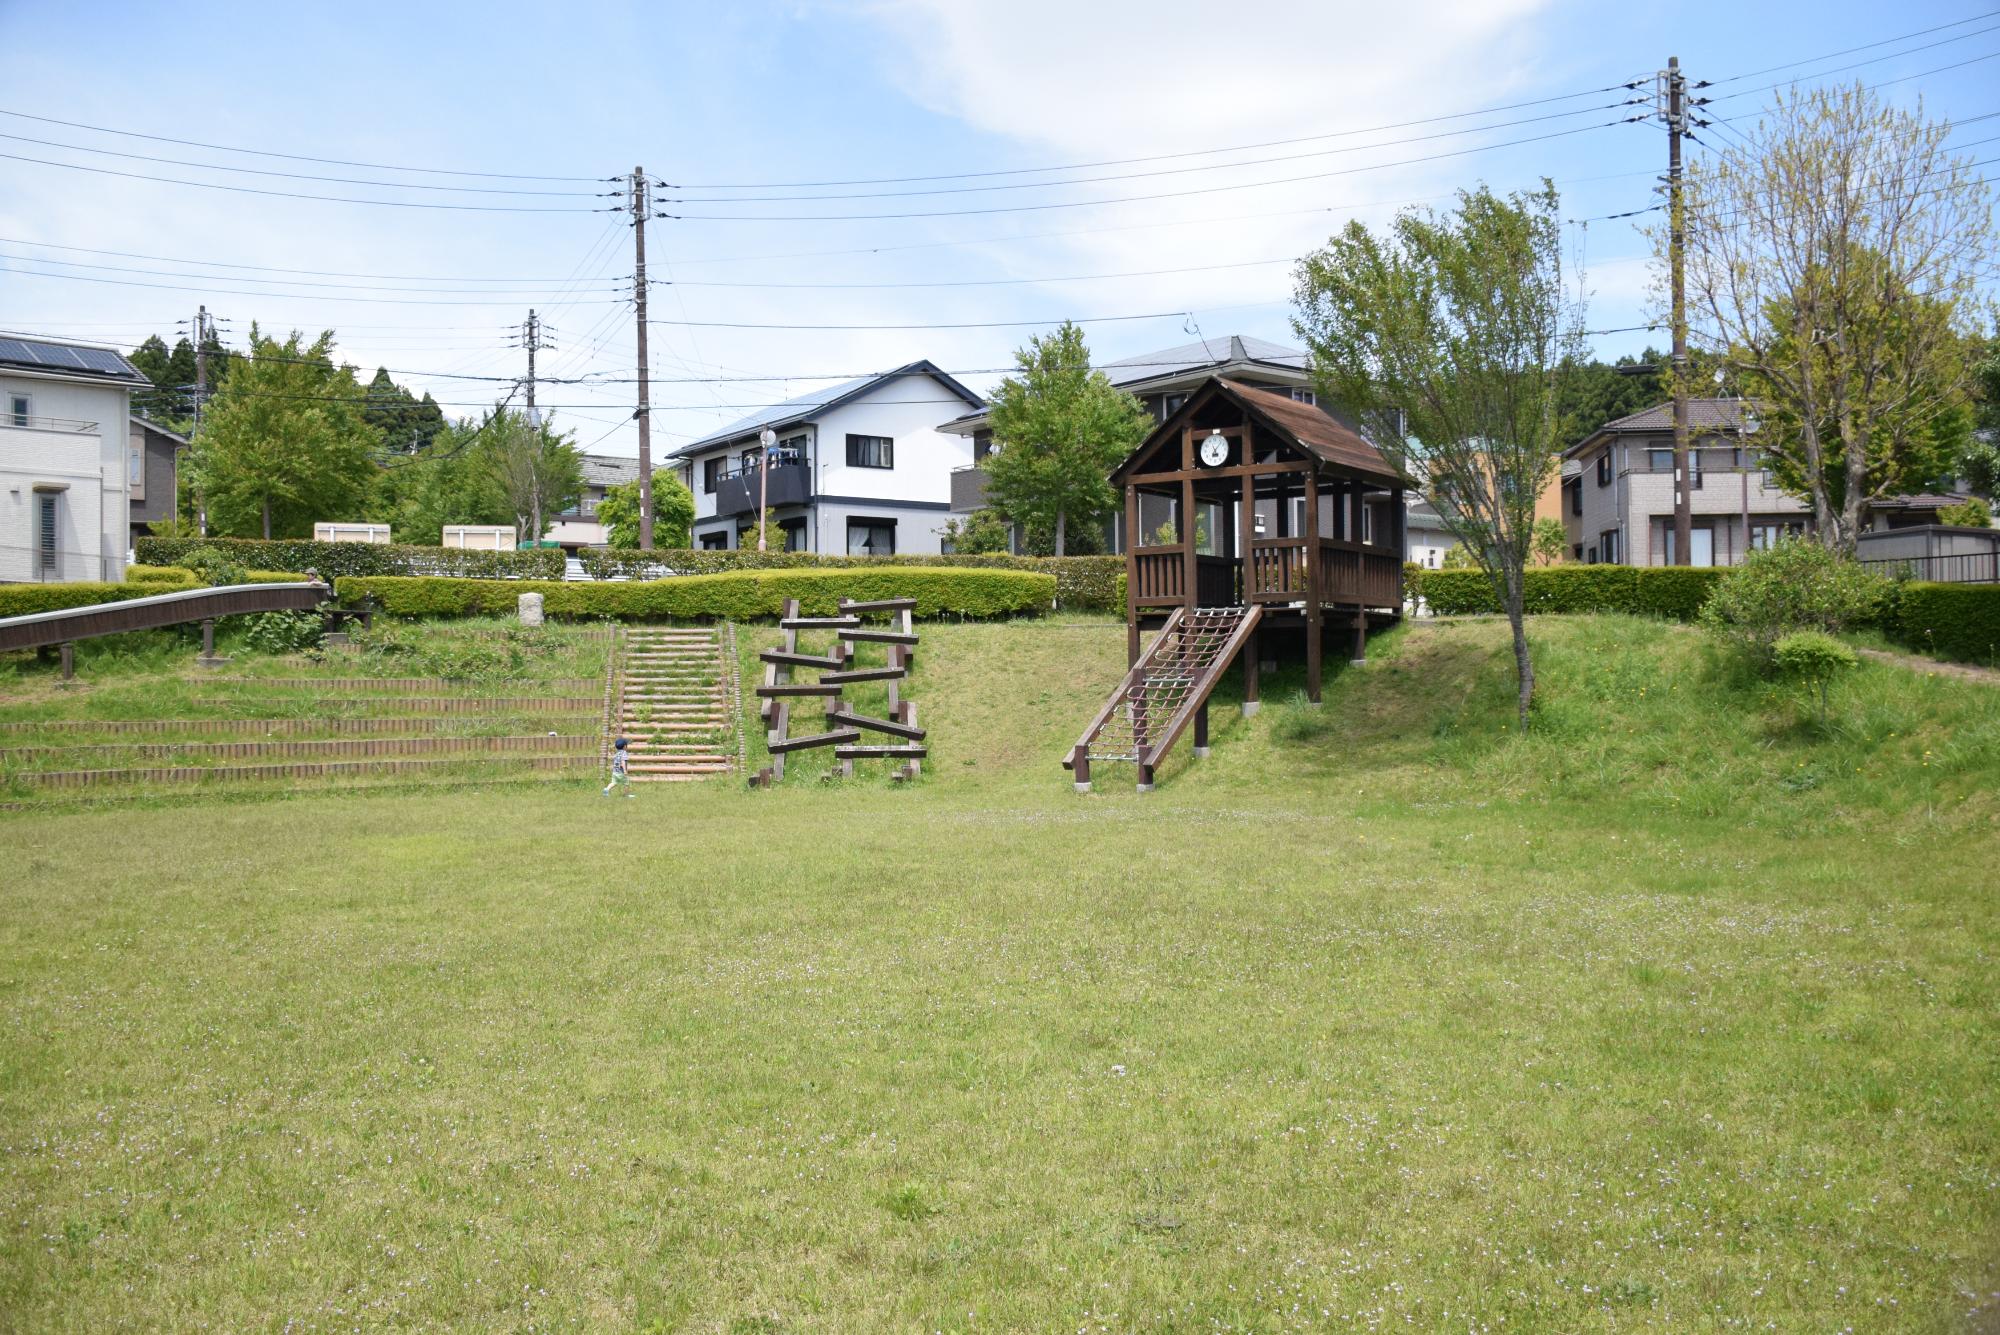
(65,462)
(579,525)
(1618,499)
(860,468)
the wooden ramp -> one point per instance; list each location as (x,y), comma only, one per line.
(1166,690)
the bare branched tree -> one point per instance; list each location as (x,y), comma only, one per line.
(1832,262)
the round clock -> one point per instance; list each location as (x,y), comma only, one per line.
(1214,450)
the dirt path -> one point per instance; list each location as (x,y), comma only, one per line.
(1963,671)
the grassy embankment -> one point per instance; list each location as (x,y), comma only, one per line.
(1681,1012)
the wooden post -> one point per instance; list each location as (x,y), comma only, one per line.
(1251,650)
(1360,637)
(1079,764)
(208,638)
(1132,542)
(1314,613)
(1201,731)
(68,660)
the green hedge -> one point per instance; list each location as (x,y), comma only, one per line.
(18,600)
(736,595)
(1083,583)
(334,559)
(143,574)
(1676,592)
(1960,621)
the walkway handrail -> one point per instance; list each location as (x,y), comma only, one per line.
(37,629)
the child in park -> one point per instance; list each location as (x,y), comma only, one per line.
(619,757)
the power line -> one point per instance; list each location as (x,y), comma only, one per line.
(298,176)
(1166,171)
(296,282)
(1848,51)
(293,194)
(1883,83)
(288,296)
(1135,199)
(973,324)
(266,268)
(295,157)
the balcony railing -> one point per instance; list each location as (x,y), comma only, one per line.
(789,483)
(23,422)
(968,488)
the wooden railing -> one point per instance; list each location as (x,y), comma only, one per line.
(1277,573)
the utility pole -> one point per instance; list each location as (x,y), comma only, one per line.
(1674,91)
(641,206)
(534,337)
(201,337)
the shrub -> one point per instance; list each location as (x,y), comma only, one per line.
(1083,583)
(1792,586)
(1673,592)
(137,574)
(738,595)
(1813,659)
(1972,513)
(212,567)
(26,599)
(334,559)
(283,632)
(1960,621)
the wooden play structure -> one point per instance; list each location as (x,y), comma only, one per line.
(837,671)
(1252,521)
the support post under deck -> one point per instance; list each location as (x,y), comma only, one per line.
(1314,613)
(1079,764)
(1360,638)
(1251,650)
(1201,732)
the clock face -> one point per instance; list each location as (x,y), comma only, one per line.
(1214,450)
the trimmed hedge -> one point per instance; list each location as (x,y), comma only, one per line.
(1960,621)
(736,595)
(143,574)
(19,600)
(1083,583)
(334,559)
(1676,592)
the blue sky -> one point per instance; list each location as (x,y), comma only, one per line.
(715,98)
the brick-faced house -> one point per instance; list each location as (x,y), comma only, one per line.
(1618,499)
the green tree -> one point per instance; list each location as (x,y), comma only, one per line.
(983,532)
(1832,267)
(1594,392)
(539,469)
(1059,428)
(448,481)
(1550,541)
(1450,335)
(1979,461)
(1972,513)
(284,443)
(407,424)
(673,513)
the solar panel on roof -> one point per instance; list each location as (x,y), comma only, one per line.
(62,357)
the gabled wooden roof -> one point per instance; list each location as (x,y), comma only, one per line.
(1301,425)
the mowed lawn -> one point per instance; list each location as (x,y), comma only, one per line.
(1682,1014)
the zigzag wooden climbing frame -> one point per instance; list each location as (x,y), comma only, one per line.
(844,726)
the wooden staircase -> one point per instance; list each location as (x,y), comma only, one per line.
(1166,690)
(675,704)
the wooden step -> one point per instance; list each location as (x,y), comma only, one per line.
(879,605)
(880,752)
(779,656)
(890,726)
(879,636)
(838,735)
(868,674)
(817,623)
(784,688)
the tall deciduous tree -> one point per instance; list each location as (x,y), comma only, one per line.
(449,481)
(673,513)
(284,443)
(1060,429)
(1449,336)
(1832,261)
(539,468)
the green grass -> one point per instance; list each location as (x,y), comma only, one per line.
(1380,1016)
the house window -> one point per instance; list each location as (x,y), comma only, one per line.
(1575,496)
(747,461)
(870,452)
(45,532)
(18,407)
(714,542)
(1768,533)
(1607,546)
(1604,468)
(135,469)
(1305,396)
(711,469)
(871,537)
(795,534)
(1660,461)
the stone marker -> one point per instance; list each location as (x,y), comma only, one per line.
(531,609)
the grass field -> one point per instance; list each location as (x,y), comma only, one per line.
(1680,1014)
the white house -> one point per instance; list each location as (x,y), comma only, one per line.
(65,412)
(579,526)
(860,468)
